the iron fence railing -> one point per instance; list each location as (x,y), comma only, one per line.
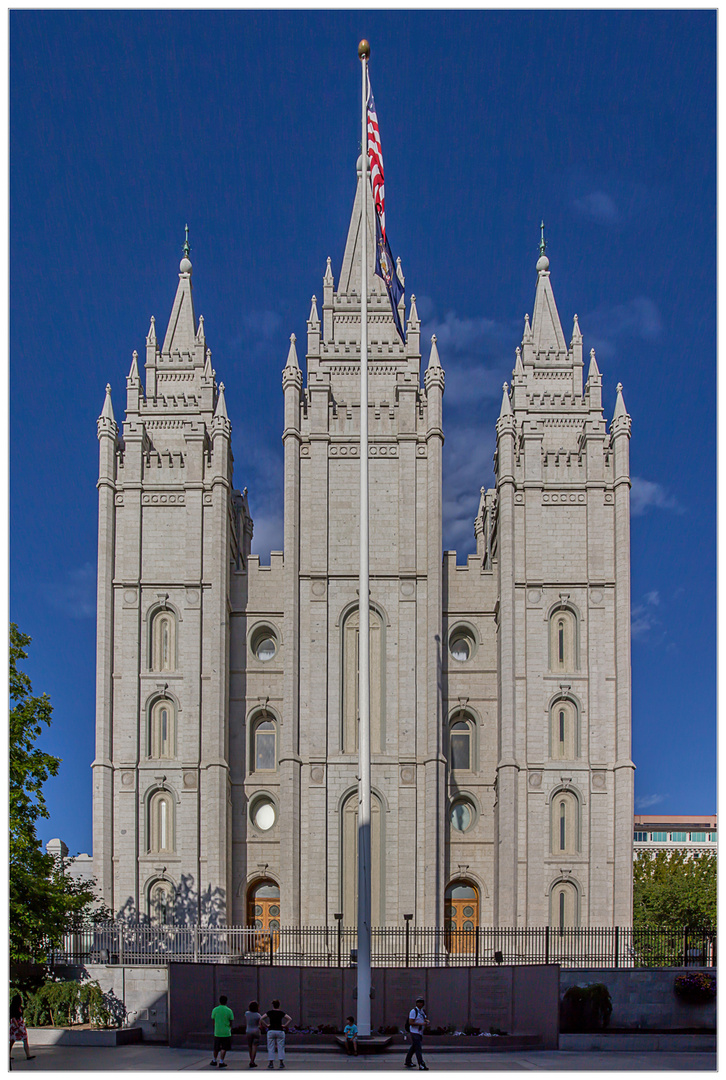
(392,946)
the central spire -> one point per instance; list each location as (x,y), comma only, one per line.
(349,281)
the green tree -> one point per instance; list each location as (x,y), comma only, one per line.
(44,902)
(675,888)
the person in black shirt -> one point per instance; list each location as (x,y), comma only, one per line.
(276,1021)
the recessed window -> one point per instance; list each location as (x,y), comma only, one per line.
(263,814)
(460,742)
(712,837)
(264,643)
(640,837)
(461,644)
(461,815)
(679,837)
(265,744)
(699,837)
(659,837)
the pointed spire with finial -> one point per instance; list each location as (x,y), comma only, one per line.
(208,373)
(107,411)
(434,361)
(518,368)
(620,409)
(542,242)
(133,375)
(313,318)
(576,332)
(292,354)
(506,409)
(220,413)
(594,370)
(151,336)
(413,318)
(328,278)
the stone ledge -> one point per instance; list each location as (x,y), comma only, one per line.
(48,1036)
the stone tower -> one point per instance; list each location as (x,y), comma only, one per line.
(564,775)
(170,531)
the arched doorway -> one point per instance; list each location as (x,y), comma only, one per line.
(263,913)
(461,913)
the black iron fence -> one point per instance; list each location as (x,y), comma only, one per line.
(392,946)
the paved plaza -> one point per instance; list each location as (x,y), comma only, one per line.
(159,1058)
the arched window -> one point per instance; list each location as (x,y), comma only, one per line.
(263,912)
(162,734)
(349,858)
(564,905)
(161,902)
(163,641)
(461,914)
(563,640)
(264,743)
(564,743)
(565,823)
(161,822)
(461,731)
(350,713)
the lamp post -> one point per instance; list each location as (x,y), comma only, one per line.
(408,923)
(338,916)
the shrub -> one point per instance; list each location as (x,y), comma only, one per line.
(469,1029)
(586,1008)
(695,986)
(63,1004)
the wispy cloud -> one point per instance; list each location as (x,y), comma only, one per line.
(643,616)
(644,802)
(636,319)
(75,596)
(645,494)
(267,535)
(598,206)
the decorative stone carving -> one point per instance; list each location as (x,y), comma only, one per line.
(535,780)
(127,779)
(190,781)
(598,781)
(408,774)
(317,774)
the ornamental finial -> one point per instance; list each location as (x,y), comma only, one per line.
(186,249)
(364,50)
(542,242)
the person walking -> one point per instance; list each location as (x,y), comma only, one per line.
(417,1021)
(252,1017)
(223,1017)
(351,1036)
(276,1021)
(18,1031)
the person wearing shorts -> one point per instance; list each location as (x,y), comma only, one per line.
(252,1018)
(223,1017)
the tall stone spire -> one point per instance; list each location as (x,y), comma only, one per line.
(547,336)
(181,333)
(349,281)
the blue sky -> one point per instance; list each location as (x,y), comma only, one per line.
(125,126)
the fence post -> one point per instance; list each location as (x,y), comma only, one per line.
(617,943)
(271,948)
(685,946)
(408,923)
(547,944)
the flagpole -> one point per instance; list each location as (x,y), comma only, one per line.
(364,732)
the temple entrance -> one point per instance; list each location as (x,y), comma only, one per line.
(461,913)
(263,912)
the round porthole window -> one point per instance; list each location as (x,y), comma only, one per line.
(264,643)
(461,815)
(461,644)
(263,814)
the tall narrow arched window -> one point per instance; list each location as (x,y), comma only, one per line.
(350,710)
(564,905)
(162,733)
(564,742)
(161,822)
(161,902)
(264,743)
(349,860)
(565,823)
(564,644)
(461,740)
(163,641)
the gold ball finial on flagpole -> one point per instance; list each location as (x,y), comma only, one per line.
(364,50)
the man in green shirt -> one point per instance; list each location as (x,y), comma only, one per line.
(223,1017)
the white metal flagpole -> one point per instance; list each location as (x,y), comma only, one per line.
(364,728)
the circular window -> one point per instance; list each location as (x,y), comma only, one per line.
(461,815)
(461,644)
(264,643)
(263,814)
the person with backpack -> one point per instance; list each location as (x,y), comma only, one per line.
(417,1021)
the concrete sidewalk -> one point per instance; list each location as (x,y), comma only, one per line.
(149,1058)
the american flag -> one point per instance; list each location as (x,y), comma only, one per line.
(375,162)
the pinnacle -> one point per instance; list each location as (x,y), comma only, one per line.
(594,370)
(506,409)
(518,368)
(221,411)
(133,375)
(107,411)
(620,409)
(292,354)
(413,312)
(313,318)
(434,361)
(328,279)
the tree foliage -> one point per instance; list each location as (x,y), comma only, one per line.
(675,888)
(44,901)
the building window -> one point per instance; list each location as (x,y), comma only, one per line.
(679,837)
(564,906)
(712,837)
(264,744)
(161,822)
(161,730)
(461,915)
(462,814)
(564,730)
(563,640)
(698,837)
(163,641)
(640,837)
(264,643)
(350,711)
(462,644)
(460,742)
(565,824)
(263,813)
(161,903)
(659,837)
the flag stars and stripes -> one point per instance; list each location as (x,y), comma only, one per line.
(375,162)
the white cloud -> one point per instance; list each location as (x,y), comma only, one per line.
(599,207)
(468,454)
(76,595)
(267,534)
(645,494)
(644,802)
(643,618)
